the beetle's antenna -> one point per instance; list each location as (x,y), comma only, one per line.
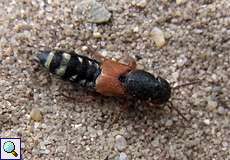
(186,84)
(171,107)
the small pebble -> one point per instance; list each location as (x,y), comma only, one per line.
(140,3)
(158,37)
(212,105)
(84,48)
(207,121)
(225,144)
(136,29)
(120,143)
(97,34)
(100,133)
(198,31)
(169,123)
(195,126)
(122,156)
(99,14)
(155,142)
(178,2)
(182,60)
(216,89)
(214,77)
(221,110)
(92,11)
(36,115)
(46,151)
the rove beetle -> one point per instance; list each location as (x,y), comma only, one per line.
(106,76)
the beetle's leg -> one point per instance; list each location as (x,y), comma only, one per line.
(78,98)
(128,60)
(95,55)
(171,107)
(132,62)
(125,105)
(123,109)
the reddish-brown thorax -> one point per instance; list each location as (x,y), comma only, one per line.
(108,83)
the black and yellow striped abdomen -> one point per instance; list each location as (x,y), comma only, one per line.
(71,66)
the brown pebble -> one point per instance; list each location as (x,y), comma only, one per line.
(36,115)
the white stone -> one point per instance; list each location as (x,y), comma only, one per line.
(97,34)
(140,3)
(207,121)
(120,143)
(180,1)
(158,37)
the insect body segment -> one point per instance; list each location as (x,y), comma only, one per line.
(108,82)
(108,77)
(63,65)
(73,67)
(146,86)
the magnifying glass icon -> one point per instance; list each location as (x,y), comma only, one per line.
(9,147)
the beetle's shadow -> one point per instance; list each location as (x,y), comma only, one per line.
(139,111)
(120,110)
(131,112)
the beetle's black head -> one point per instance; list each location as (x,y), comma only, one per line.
(145,86)
(42,57)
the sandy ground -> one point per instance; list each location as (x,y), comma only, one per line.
(197,35)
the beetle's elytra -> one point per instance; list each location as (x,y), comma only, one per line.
(107,77)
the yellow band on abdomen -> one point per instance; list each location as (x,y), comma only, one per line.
(62,68)
(48,60)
